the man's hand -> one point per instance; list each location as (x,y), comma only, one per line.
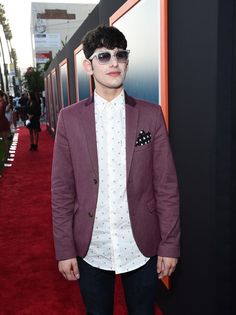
(165,266)
(69,269)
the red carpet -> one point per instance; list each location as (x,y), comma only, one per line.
(29,280)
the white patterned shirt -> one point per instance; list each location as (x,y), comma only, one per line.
(112,246)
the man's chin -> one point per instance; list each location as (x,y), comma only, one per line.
(116,86)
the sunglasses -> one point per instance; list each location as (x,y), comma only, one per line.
(104,57)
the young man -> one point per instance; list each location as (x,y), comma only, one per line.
(114,188)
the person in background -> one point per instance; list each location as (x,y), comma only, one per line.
(42,104)
(17,105)
(33,111)
(23,102)
(9,113)
(15,116)
(4,125)
(115,199)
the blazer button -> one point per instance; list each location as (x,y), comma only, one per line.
(95,181)
(90,214)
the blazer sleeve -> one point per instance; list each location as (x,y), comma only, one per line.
(63,194)
(166,191)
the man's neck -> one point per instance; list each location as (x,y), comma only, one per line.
(109,94)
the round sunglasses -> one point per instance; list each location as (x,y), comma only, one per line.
(104,57)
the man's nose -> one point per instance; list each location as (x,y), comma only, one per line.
(113,61)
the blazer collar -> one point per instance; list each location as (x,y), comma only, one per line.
(128,100)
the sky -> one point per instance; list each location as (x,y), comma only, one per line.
(18,14)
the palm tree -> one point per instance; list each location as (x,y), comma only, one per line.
(17,71)
(8,38)
(3,23)
(2,20)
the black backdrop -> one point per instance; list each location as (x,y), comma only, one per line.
(202,101)
(202,113)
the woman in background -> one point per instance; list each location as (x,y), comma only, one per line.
(34,112)
(4,125)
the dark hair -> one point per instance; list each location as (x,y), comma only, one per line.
(103,36)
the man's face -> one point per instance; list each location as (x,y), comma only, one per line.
(110,74)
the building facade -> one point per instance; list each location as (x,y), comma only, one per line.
(52,25)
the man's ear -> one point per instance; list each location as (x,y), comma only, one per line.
(88,68)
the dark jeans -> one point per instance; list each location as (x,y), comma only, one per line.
(97,289)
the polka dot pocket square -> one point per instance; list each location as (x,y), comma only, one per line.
(143,138)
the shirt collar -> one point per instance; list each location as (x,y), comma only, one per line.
(116,104)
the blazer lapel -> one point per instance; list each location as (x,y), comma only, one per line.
(132,114)
(90,132)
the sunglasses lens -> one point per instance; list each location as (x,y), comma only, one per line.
(122,56)
(104,57)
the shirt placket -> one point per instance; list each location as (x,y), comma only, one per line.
(102,221)
(113,171)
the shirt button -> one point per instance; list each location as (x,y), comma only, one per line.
(95,181)
(90,214)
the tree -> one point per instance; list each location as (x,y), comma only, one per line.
(8,37)
(33,80)
(3,23)
(46,65)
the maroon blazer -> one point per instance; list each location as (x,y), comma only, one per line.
(152,187)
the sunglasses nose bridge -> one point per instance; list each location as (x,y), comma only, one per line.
(113,59)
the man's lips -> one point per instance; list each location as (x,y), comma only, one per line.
(114,73)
